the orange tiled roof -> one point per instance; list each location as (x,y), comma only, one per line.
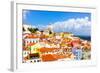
(48,57)
(76,40)
(43,36)
(60,56)
(44,49)
(53,57)
(31,36)
(26,58)
(31,44)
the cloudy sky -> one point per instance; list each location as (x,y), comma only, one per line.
(74,22)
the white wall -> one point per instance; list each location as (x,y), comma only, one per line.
(5,35)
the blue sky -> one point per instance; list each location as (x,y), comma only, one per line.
(45,18)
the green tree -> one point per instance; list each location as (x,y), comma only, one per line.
(33,30)
(24,29)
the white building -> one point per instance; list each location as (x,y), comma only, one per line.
(31,40)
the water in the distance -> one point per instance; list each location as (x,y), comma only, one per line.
(88,38)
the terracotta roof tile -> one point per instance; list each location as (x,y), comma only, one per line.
(44,49)
(48,57)
(31,44)
(31,36)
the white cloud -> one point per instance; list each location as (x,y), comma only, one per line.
(25,12)
(26,26)
(78,26)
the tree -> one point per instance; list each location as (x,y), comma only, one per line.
(50,32)
(24,29)
(36,29)
(33,30)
